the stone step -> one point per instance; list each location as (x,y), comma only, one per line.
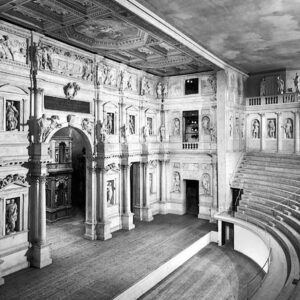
(271,203)
(288,181)
(284,159)
(272,169)
(272,155)
(274,212)
(267,164)
(278,191)
(265,173)
(290,232)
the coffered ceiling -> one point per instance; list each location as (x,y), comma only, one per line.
(110,29)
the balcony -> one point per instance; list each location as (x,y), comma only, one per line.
(273,99)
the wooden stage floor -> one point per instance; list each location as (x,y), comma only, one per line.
(84,269)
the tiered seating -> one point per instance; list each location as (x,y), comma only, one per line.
(271,200)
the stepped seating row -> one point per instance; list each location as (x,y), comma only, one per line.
(271,200)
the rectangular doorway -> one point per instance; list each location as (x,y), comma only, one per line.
(192,197)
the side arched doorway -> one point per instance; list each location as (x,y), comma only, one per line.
(66,180)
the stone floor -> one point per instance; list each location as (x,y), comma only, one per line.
(85,269)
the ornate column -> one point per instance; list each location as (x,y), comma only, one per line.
(40,250)
(214,181)
(90,196)
(297,132)
(147,211)
(279,132)
(262,131)
(103,226)
(140,193)
(127,217)
(163,186)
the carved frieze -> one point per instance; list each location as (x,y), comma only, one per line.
(46,126)
(12,178)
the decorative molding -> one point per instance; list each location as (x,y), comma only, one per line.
(12,178)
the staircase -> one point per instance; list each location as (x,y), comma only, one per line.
(271,200)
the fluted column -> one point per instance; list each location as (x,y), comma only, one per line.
(127,217)
(103,226)
(279,132)
(147,211)
(262,131)
(297,132)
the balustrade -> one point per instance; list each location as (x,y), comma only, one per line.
(273,99)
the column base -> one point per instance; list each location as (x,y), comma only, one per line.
(147,214)
(163,208)
(127,221)
(40,256)
(90,231)
(138,214)
(103,231)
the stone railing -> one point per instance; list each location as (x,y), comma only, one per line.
(273,99)
(193,146)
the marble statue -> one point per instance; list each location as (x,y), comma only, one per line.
(164,90)
(11,216)
(87,70)
(143,86)
(159,89)
(162,132)
(213,134)
(12,115)
(43,125)
(280,85)
(176,182)
(296,83)
(110,192)
(263,87)
(109,124)
(129,83)
(206,125)
(131,124)
(176,126)
(255,129)
(146,131)
(86,126)
(288,128)
(271,129)
(5,48)
(206,183)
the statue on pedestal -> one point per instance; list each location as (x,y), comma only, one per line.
(255,129)
(296,83)
(280,85)
(263,87)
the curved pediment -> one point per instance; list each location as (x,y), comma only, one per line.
(12,89)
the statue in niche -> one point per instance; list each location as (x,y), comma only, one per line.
(110,123)
(176,126)
(296,83)
(12,115)
(288,128)
(206,125)
(164,91)
(143,86)
(280,85)
(272,129)
(110,192)
(263,87)
(11,216)
(176,182)
(206,183)
(255,129)
(5,48)
(159,89)
(162,132)
(131,124)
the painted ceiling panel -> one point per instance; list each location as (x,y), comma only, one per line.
(255,35)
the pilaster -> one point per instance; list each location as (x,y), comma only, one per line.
(147,211)
(297,132)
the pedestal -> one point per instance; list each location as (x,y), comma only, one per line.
(147,214)
(40,256)
(127,221)
(163,208)
(90,231)
(103,231)
(205,206)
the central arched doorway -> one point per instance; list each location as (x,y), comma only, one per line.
(66,180)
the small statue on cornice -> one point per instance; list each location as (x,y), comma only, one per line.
(296,83)
(129,83)
(263,87)
(159,90)
(143,86)
(164,91)
(43,57)
(71,90)
(280,85)
(87,72)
